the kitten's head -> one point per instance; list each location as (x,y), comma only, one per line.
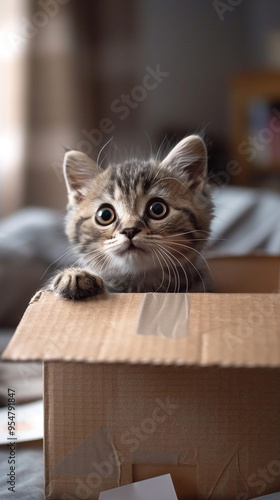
(139,215)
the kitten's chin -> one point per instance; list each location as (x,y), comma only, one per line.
(132,258)
(134,261)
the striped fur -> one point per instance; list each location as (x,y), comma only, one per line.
(164,254)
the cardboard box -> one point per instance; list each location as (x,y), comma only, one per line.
(139,385)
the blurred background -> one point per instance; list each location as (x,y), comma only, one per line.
(77,73)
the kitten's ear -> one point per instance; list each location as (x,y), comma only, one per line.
(78,170)
(188,161)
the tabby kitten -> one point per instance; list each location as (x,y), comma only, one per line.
(140,225)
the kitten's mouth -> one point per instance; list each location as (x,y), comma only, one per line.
(132,249)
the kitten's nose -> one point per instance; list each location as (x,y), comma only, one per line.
(130,232)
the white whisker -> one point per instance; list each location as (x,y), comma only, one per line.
(159,149)
(103,147)
(190,262)
(167,266)
(197,252)
(56,260)
(169,256)
(184,271)
(163,275)
(150,143)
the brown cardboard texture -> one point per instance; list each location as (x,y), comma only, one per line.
(247,274)
(138,385)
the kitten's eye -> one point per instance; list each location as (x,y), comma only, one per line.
(105,215)
(157,209)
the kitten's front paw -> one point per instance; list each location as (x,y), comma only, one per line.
(76,284)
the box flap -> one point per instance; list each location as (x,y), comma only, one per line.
(210,329)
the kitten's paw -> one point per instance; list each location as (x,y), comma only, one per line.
(76,284)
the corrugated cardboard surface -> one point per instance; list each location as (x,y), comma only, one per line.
(223,423)
(215,329)
(124,389)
